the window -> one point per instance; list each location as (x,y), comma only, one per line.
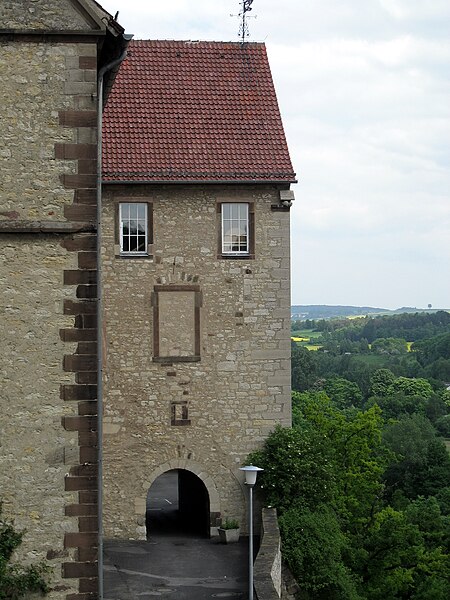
(179,413)
(134,228)
(236,239)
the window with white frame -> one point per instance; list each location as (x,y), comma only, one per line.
(235,228)
(133,227)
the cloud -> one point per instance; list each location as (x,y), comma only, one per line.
(363,89)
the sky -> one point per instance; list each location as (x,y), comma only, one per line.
(364,93)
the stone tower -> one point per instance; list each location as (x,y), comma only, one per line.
(195,271)
(51,51)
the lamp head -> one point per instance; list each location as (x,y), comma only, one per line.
(250,473)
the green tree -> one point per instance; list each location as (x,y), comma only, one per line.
(422,466)
(296,468)
(16,580)
(303,368)
(380,382)
(411,387)
(313,546)
(343,393)
(395,562)
(393,346)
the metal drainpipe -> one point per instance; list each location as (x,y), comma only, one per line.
(101,74)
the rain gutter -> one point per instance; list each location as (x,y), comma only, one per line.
(101,74)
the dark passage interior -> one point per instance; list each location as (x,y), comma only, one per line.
(177,503)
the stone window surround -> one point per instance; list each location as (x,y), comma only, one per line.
(179,413)
(251,230)
(117,250)
(155,303)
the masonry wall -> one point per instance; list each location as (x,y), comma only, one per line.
(239,389)
(47,295)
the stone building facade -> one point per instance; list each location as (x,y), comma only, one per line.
(195,296)
(51,51)
(196,287)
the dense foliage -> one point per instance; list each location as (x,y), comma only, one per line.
(409,326)
(362,479)
(17,581)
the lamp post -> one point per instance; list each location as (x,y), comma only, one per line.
(250,473)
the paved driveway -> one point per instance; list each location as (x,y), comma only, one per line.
(175,567)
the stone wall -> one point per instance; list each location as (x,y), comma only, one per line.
(267,568)
(40,15)
(239,389)
(47,288)
(36,450)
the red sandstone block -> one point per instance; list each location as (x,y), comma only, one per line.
(88,454)
(87,348)
(80,540)
(76,243)
(76,335)
(88,585)
(81,510)
(73,484)
(80,307)
(78,118)
(86,377)
(79,423)
(88,62)
(75,151)
(87,260)
(79,569)
(75,181)
(79,362)
(80,277)
(78,392)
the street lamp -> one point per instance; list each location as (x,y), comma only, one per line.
(251,473)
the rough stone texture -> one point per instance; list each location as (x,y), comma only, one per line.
(43,314)
(40,14)
(36,452)
(37,76)
(267,568)
(240,388)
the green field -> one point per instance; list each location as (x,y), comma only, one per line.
(307,338)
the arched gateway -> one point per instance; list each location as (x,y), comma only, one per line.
(181,498)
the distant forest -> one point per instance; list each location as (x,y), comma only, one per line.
(361,481)
(325,311)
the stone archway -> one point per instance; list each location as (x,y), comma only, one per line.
(181,497)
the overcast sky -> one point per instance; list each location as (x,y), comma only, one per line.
(364,92)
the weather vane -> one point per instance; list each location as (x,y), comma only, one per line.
(243,27)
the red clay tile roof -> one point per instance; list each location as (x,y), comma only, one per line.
(194,111)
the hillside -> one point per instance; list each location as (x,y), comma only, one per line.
(302,312)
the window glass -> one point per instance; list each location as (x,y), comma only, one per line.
(133,227)
(235,238)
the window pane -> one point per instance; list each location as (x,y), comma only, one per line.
(235,227)
(125,210)
(226,211)
(133,227)
(141,211)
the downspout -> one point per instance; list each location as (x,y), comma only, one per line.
(101,75)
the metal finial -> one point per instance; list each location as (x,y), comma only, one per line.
(243,29)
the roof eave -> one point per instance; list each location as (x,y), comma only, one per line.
(199,181)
